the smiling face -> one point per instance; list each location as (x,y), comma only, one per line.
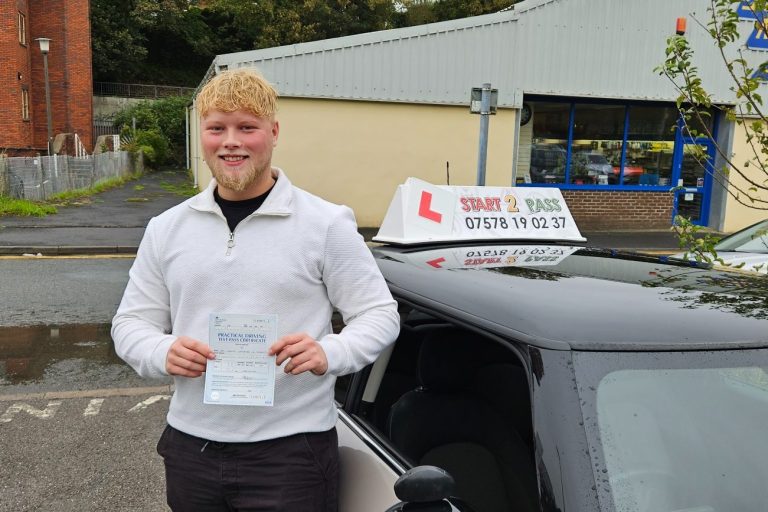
(237,146)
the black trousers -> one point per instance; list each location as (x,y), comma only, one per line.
(298,473)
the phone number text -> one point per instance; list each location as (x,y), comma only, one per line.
(515,222)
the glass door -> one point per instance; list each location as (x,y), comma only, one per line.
(695,181)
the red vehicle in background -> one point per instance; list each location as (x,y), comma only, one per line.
(632,174)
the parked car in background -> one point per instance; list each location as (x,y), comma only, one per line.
(746,250)
(589,167)
(632,174)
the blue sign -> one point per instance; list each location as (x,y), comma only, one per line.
(744,11)
(760,74)
(758,39)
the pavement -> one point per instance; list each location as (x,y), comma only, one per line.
(113,222)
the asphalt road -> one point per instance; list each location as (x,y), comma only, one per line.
(78,428)
(61,290)
(85,453)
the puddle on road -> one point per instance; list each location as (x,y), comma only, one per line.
(63,358)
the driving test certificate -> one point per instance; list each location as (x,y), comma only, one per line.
(242,372)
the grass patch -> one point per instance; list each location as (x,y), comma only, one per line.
(72,196)
(138,187)
(186,189)
(24,208)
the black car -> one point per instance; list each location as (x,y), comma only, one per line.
(557,377)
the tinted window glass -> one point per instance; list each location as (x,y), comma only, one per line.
(650,144)
(596,151)
(452,398)
(700,125)
(677,431)
(549,141)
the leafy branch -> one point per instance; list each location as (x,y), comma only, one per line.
(696,104)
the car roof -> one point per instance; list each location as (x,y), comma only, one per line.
(582,298)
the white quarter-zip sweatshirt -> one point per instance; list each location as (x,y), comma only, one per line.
(297,256)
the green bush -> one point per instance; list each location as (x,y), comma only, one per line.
(152,143)
(157,143)
(165,117)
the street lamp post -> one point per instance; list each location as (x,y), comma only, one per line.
(44,47)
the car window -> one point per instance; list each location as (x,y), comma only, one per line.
(453,398)
(677,431)
(752,239)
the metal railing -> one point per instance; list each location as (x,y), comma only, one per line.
(104,126)
(139,90)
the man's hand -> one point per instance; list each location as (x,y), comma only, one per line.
(188,357)
(304,352)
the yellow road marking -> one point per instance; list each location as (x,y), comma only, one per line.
(68,257)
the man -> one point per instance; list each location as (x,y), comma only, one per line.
(252,244)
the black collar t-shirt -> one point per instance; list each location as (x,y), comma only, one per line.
(235,211)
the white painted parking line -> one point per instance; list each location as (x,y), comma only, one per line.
(149,401)
(94,406)
(43,414)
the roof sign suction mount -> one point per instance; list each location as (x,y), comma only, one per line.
(421,212)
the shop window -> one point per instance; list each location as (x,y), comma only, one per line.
(549,141)
(598,132)
(700,125)
(25,104)
(650,145)
(22,29)
(595,144)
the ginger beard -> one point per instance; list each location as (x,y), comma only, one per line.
(238,179)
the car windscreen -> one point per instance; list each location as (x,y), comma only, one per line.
(677,431)
(752,239)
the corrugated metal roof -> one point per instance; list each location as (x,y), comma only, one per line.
(588,48)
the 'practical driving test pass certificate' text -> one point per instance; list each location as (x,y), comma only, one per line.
(242,373)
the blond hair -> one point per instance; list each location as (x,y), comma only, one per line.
(238,89)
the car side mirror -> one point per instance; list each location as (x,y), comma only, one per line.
(424,488)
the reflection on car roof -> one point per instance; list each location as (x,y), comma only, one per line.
(584,299)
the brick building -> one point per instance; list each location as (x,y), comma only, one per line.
(22,82)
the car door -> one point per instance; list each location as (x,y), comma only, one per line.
(443,395)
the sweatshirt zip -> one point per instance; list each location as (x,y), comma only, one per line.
(230,242)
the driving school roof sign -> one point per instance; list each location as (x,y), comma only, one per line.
(421,212)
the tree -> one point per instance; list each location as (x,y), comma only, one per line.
(696,104)
(180,43)
(418,12)
(236,25)
(118,45)
(291,21)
